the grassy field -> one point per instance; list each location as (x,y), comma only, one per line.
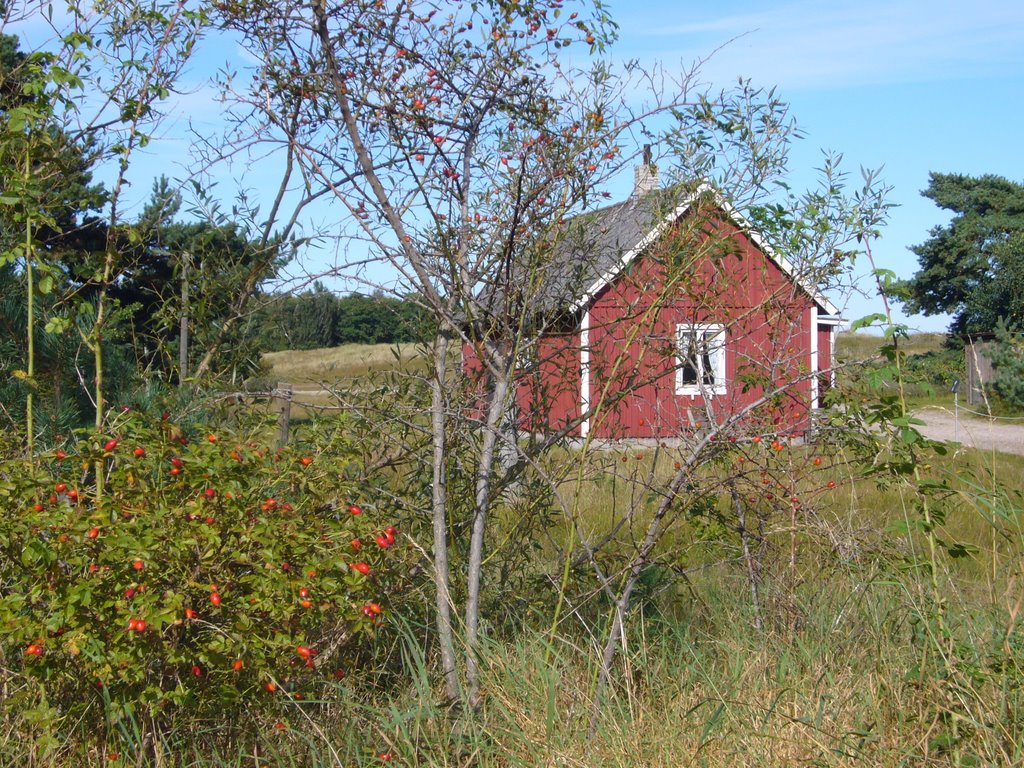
(339,364)
(320,376)
(835,679)
(862,346)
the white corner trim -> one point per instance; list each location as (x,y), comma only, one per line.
(832,354)
(585,372)
(815,363)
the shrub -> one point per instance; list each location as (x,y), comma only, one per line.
(210,573)
(1007,355)
(935,368)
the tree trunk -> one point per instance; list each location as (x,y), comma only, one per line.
(753,565)
(488,450)
(439,514)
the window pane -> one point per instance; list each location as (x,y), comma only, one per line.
(689,358)
(710,353)
(701,359)
(708,368)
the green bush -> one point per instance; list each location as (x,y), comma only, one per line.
(211,574)
(1007,355)
(938,367)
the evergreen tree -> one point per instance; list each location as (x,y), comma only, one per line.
(972,268)
(193,269)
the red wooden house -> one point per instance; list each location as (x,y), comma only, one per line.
(667,314)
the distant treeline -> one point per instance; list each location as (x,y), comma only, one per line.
(320,318)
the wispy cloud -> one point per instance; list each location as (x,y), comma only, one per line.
(813,44)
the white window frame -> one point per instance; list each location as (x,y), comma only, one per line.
(716,353)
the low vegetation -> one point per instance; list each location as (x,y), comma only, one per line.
(882,639)
(854,346)
(842,674)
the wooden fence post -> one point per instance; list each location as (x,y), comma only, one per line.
(281,401)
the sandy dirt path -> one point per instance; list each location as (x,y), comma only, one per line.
(1001,434)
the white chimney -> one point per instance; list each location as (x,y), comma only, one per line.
(645,177)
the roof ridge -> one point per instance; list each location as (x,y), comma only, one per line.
(660,192)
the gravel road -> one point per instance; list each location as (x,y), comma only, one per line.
(972,431)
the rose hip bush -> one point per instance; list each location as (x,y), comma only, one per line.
(210,572)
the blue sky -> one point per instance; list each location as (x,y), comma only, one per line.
(905,85)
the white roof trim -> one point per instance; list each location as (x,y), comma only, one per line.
(737,218)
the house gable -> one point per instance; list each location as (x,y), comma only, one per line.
(710,280)
(657,229)
(628,282)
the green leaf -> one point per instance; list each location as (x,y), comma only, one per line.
(866,321)
(959,549)
(57,325)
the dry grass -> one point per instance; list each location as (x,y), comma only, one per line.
(697,686)
(861,346)
(702,689)
(834,681)
(839,685)
(617,493)
(338,364)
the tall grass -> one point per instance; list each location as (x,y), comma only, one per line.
(338,364)
(844,673)
(697,688)
(851,346)
(845,684)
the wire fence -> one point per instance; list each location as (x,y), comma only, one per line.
(282,398)
(983,415)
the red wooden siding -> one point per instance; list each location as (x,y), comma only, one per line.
(547,384)
(720,278)
(548,391)
(633,326)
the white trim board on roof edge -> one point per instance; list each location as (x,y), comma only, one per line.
(737,218)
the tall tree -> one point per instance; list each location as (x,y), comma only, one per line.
(181,283)
(456,141)
(973,267)
(102,85)
(459,140)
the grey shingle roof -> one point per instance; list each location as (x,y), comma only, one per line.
(587,247)
(592,248)
(596,243)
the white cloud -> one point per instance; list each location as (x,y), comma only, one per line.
(814,44)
